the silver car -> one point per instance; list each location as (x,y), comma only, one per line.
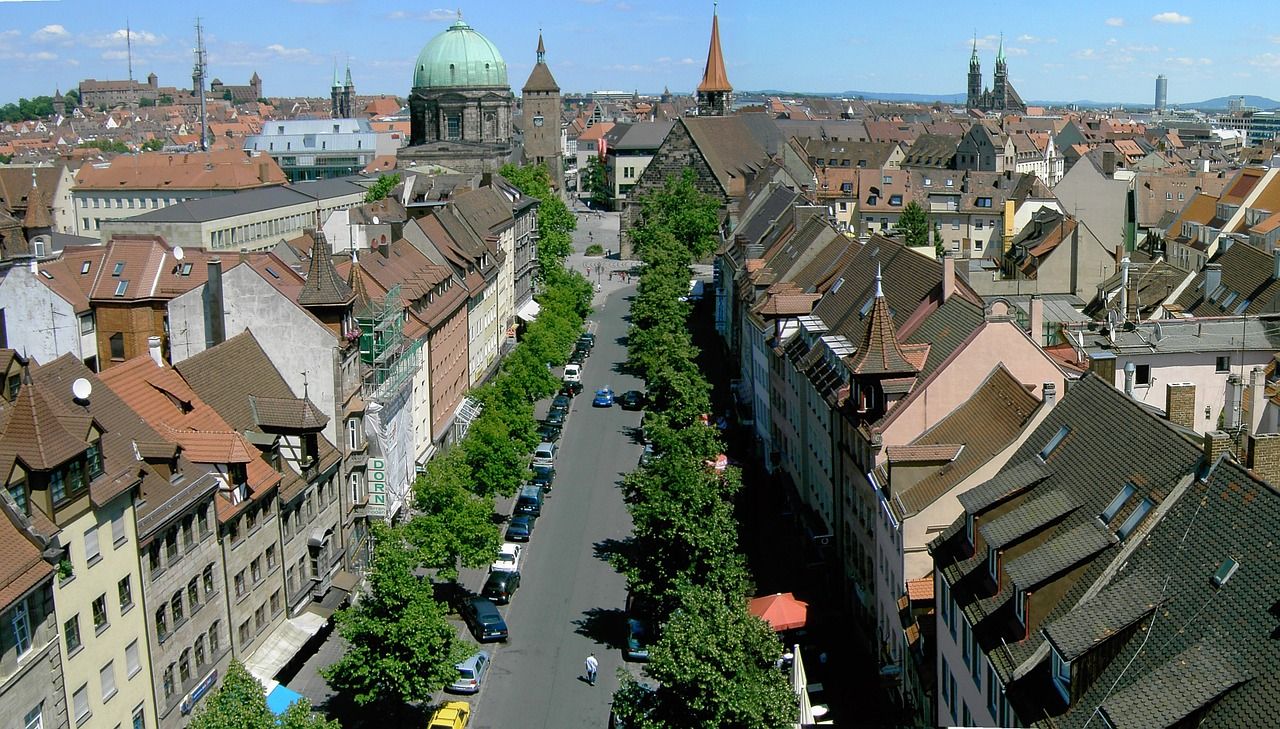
(471,673)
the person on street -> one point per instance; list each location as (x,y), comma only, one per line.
(592,666)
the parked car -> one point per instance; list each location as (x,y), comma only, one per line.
(638,639)
(483,620)
(471,673)
(554,418)
(578,357)
(543,476)
(508,558)
(647,455)
(544,454)
(582,349)
(571,389)
(632,400)
(587,339)
(520,528)
(603,398)
(453,715)
(573,372)
(529,501)
(561,403)
(500,586)
(549,432)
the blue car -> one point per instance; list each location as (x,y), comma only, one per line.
(603,398)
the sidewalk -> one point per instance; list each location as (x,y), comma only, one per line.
(602,228)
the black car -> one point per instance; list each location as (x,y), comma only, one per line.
(500,586)
(484,620)
(587,339)
(549,432)
(578,357)
(560,402)
(582,349)
(571,389)
(543,476)
(520,528)
(631,400)
(554,418)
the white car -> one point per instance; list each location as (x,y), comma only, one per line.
(572,373)
(508,558)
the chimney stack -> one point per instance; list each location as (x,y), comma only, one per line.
(1130,371)
(948,276)
(1212,278)
(1257,399)
(1035,316)
(1216,442)
(1124,289)
(153,346)
(214,326)
(264,172)
(1180,404)
(1264,456)
(1231,408)
(1050,392)
(1108,162)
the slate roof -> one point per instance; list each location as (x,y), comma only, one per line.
(540,79)
(1118,606)
(323,286)
(932,150)
(1010,481)
(286,413)
(1246,273)
(1031,516)
(1176,689)
(880,352)
(1060,553)
(252,201)
(728,145)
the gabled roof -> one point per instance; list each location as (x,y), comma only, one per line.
(1247,285)
(323,286)
(880,352)
(729,146)
(34,434)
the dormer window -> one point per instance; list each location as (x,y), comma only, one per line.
(18,492)
(1131,523)
(968,529)
(1060,671)
(1020,607)
(993,565)
(1117,503)
(1054,442)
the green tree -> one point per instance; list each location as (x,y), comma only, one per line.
(165,99)
(70,101)
(452,525)
(939,249)
(556,222)
(715,667)
(241,703)
(402,647)
(684,211)
(107,145)
(153,145)
(596,184)
(383,187)
(144,101)
(499,462)
(914,224)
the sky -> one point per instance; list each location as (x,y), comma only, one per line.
(1086,49)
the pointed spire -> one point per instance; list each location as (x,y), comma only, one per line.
(348,83)
(879,283)
(323,286)
(355,280)
(542,49)
(1000,52)
(880,352)
(713,77)
(337,81)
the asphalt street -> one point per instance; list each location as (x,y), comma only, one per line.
(570,601)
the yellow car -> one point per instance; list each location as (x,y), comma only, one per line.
(453,715)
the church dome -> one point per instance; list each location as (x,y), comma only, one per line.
(459,57)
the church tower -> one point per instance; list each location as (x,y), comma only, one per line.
(715,94)
(540,99)
(335,95)
(1000,88)
(975,78)
(348,94)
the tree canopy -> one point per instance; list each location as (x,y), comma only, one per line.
(381,188)
(241,703)
(27,109)
(914,224)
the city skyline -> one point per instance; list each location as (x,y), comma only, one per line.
(1088,51)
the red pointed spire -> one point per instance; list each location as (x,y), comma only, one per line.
(713,77)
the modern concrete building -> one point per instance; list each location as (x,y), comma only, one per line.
(1162,93)
(320,149)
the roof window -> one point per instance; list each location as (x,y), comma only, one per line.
(1054,442)
(1129,524)
(186,269)
(84,267)
(121,287)
(119,269)
(1225,570)
(1117,503)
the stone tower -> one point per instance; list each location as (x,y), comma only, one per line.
(1000,87)
(975,78)
(335,96)
(715,94)
(540,99)
(348,94)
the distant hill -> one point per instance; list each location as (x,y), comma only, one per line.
(1260,102)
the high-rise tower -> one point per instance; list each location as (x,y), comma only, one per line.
(975,78)
(715,93)
(1162,92)
(540,100)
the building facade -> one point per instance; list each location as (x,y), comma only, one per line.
(540,104)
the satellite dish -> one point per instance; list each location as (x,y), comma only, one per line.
(375,220)
(178,253)
(82,389)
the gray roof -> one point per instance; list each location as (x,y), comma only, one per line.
(1187,335)
(645,135)
(1115,608)
(1009,481)
(252,201)
(1059,553)
(1175,690)
(1028,518)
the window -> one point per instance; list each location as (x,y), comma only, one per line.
(260,617)
(162,623)
(116,342)
(944,676)
(80,703)
(202,522)
(175,606)
(1139,511)
(94,453)
(100,613)
(208,581)
(171,545)
(57,486)
(357,488)
(275,602)
(107,678)
(993,697)
(117,529)
(201,659)
(184,666)
(1054,442)
(1223,363)
(132,664)
(271,557)
(18,490)
(168,681)
(21,622)
(34,719)
(71,633)
(240,583)
(955,223)
(983,202)
(86,320)
(119,268)
(245,635)
(1061,672)
(353,434)
(91,552)
(213,639)
(139,718)
(1114,507)
(944,601)
(888,179)
(255,568)
(1224,572)
(1020,606)
(188,533)
(125,589)
(895,200)
(193,593)
(291,579)
(1142,374)
(966,641)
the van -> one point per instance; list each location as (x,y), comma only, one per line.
(572,373)
(544,454)
(529,501)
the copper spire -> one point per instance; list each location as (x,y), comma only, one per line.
(714,78)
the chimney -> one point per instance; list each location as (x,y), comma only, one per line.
(1050,393)
(862,230)
(1257,398)
(1180,404)
(264,172)
(153,346)
(1231,408)
(1130,370)
(1216,442)
(1124,289)
(1212,278)
(1035,319)
(1275,263)
(1264,456)
(948,275)
(1108,162)
(214,326)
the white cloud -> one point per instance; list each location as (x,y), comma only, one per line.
(687,61)
(430,16)
(52,32)
(1142,49)
(118,38)
(114,55)
(623,6)
(1189,61)
(283,52)
(1086,54)
(1115,22)
(1266,60)
(1171,18)
(1033,39)
(43,56)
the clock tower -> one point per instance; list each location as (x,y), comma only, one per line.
(540,100)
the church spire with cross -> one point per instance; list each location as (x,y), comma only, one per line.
(715,93)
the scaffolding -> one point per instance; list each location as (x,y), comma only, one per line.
(468,410)
(391,359)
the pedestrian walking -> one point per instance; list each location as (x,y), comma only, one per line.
(592,666)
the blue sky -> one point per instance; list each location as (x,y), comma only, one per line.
(1088,49)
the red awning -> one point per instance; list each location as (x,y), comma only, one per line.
(781,610)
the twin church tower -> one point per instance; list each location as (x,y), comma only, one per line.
(1001,96)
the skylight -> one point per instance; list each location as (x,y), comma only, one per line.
(1117,503)
(119,269)
(1129,524)
(84,267)
(839,282)
(1054,442)
(1225,570)
(121,288)
(273,273)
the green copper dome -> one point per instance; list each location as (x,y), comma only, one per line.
(459,57)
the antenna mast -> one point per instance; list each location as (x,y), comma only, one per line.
(128,44)
(197,77)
